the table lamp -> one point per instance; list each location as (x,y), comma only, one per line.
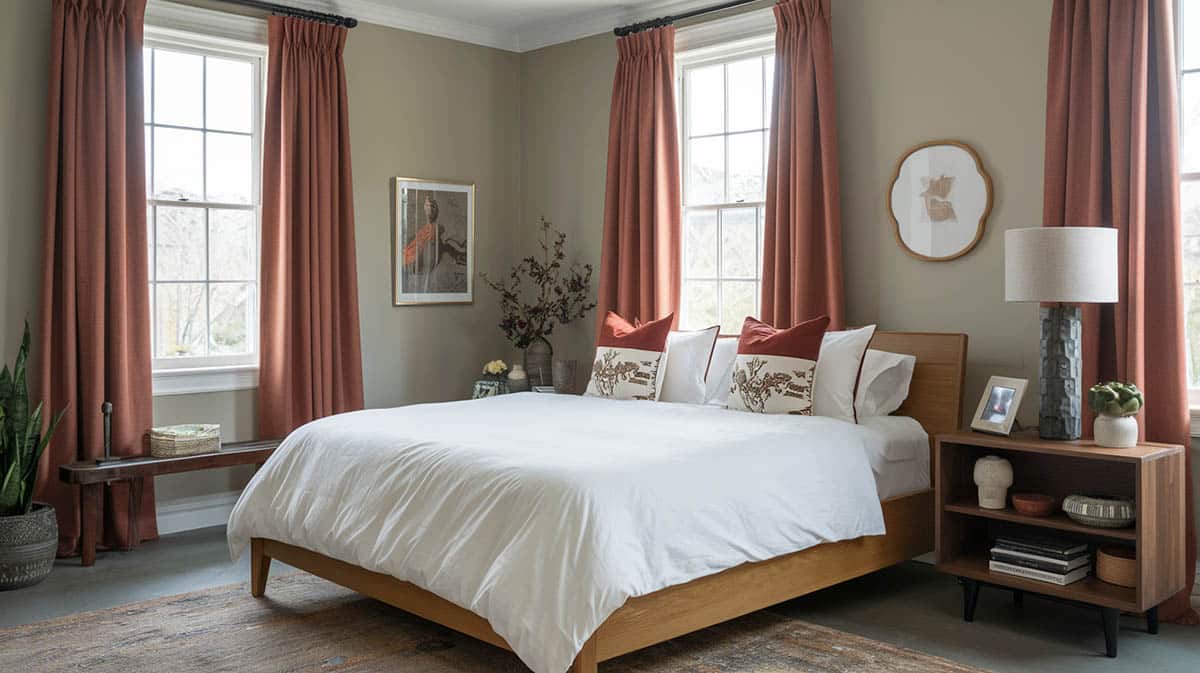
(1061,267)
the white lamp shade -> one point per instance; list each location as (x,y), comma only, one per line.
(1071,265)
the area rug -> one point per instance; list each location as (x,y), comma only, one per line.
(308,625)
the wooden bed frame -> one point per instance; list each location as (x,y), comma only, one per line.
(935,399)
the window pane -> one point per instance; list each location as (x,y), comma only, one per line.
(1191,294)
(147,84)
(700,304)
(231,244)
(178,164)
(180,244)
(180,320)
(706,170)
(178,88)
(230,91)
(739,256)
(768,89)
(1191,34)
(706,100)
(746,167)
(746,94)
(228,168)
(737,302)
(1189,198)
(1190,119)
(700,245)
(230,306)
(149,163)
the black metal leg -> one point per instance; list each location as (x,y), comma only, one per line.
(1019,598)
(1152,620)
(970,598)
(1112,622)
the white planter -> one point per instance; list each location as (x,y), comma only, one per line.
(1116,432)
(993,476)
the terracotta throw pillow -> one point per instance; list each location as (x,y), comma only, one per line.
(628,357)
(774,369)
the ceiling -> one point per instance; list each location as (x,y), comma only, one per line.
(514,25)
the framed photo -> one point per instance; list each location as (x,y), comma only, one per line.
(940,200)
(433,242)
(999,405)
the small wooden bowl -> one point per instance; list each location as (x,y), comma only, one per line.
(1034,504)
(1117,564)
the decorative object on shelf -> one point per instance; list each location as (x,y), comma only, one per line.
(999,405)
(1101,511)
(495,369)
(564,375)
(1062,266)
(1115,405)
(489,388)
(1117,564)
(518,381)
(562,296)
(1034,504)
(939,201)
(433,242)
(106,410)
(28,529)
(190,439)
(993,476)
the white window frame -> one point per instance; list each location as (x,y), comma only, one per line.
(209,33)
(721,44)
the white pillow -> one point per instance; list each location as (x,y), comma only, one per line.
(720,372)
(837,372)
(883,386)
(681,379)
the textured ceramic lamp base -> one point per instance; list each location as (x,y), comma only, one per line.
(1060,416)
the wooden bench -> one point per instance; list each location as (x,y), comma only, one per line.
(91,478)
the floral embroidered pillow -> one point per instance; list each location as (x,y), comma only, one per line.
(774,369)
(628,357)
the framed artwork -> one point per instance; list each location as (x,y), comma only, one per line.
(433,242)
(939,200)
(999,405)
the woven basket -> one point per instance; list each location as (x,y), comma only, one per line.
(172,441)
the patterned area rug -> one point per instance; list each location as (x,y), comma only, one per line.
(308,625)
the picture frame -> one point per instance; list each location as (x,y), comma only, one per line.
(433,242)
(939,200)
(999,405)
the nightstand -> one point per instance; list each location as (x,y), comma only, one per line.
(1151,474)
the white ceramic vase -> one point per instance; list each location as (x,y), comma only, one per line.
(1115,432)
(518,381)
(993,476)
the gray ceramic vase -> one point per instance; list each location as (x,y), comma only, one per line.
(28,543)
(537,362)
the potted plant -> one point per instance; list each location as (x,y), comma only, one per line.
(561,296)
(28,529)
(1115,404)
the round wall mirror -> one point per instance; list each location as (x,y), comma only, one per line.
(939,200)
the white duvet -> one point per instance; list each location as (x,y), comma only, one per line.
(545,513)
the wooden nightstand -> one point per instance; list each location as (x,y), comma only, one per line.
(1151,474)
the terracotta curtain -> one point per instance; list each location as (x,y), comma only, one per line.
(640,256)
(1112,151)
(94,335)
(802,238)
(311,362)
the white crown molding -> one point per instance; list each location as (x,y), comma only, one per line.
(172,17)
(417,22)
(537,36)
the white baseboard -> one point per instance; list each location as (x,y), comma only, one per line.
(204,511)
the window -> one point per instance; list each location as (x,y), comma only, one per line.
(725,112)
(203,133)
(1188,26)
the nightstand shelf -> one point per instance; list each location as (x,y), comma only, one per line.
(1150,474)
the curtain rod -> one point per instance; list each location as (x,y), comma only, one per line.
(295,11)
(621,31)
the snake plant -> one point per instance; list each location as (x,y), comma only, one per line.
(21,438)
(1115,399)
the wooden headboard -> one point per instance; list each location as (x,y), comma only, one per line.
(935,397)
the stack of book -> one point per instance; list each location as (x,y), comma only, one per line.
(1043,559)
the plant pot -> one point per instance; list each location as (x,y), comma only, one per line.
(28,543)
(538,356)
(1115,432)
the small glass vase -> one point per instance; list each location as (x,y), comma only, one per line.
(538,357)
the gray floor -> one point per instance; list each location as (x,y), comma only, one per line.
(909,605)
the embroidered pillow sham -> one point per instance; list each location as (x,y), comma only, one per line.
(628,358)
(774,369)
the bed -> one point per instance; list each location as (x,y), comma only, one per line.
(599,527)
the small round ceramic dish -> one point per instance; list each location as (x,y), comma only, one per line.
(1101,511)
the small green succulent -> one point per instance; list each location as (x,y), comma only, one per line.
(1115,399)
